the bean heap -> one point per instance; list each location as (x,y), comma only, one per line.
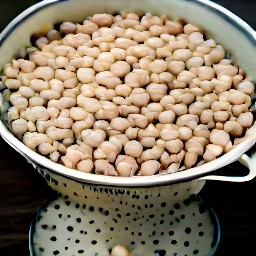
(128,95)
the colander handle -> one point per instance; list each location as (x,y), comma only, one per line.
(249,162)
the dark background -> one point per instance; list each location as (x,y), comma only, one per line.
(23,191)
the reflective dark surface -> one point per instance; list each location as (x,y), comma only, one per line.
(23,191)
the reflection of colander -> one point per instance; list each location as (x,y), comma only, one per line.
(162,188)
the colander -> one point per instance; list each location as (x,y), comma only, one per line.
(158,194)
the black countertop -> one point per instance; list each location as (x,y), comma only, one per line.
(23,191)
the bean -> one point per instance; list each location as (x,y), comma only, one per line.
(56,85)
(31,126)
(156,30)
(118,53)
(126,110)
(149,131)
(101,124)
(36,101)
(33,139)
(176,67)
(120,124)
(174,146)
(195,145)
(123,90)
(228,70)
(26,66)
(119,250)
(78,113)
(50,95)
(187,120)
(93,138)
(136,80)
(158,66)
(46,148)
(141,37)
(141,50)
(71,93)
(166,117)
(126,166)
(45,73)
(85,166)
(219,137)
(79,126)
(75,40)
(182,55)
(67,102)
(220,106)
(90,105)
(124,43)
(205,73)
(19,127)
(149,167)
(137,120)
(197,108)
(212,151)
(133,148)
(222,84)
(167,101)
(132,133)
(149,20)
(53,112)
(102,20)
(246,87)
(201,131)
(39,85)
(107,79)
(101,93)
(173,167)
(169,132)
(185,133)
(238,109)
(152,111)
(108,111)
(88,90)
(189,29)
(36,113)
(234,128)
(172,27)
(245,119)
(58,133)
(10,71)
(190,159)
(185,76)
(120,68)
(86,75)
(154,42)
(194,62)
(156,91)
(147,142)
(180,109)
(88,27)
(68,27)
(221,116)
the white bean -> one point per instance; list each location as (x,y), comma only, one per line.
(126,166)
(120,124)
(174,146)
(133,148)
(149,167)
(85,166)
(93,138)
(219,137)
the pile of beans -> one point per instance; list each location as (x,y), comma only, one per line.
(128,95)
